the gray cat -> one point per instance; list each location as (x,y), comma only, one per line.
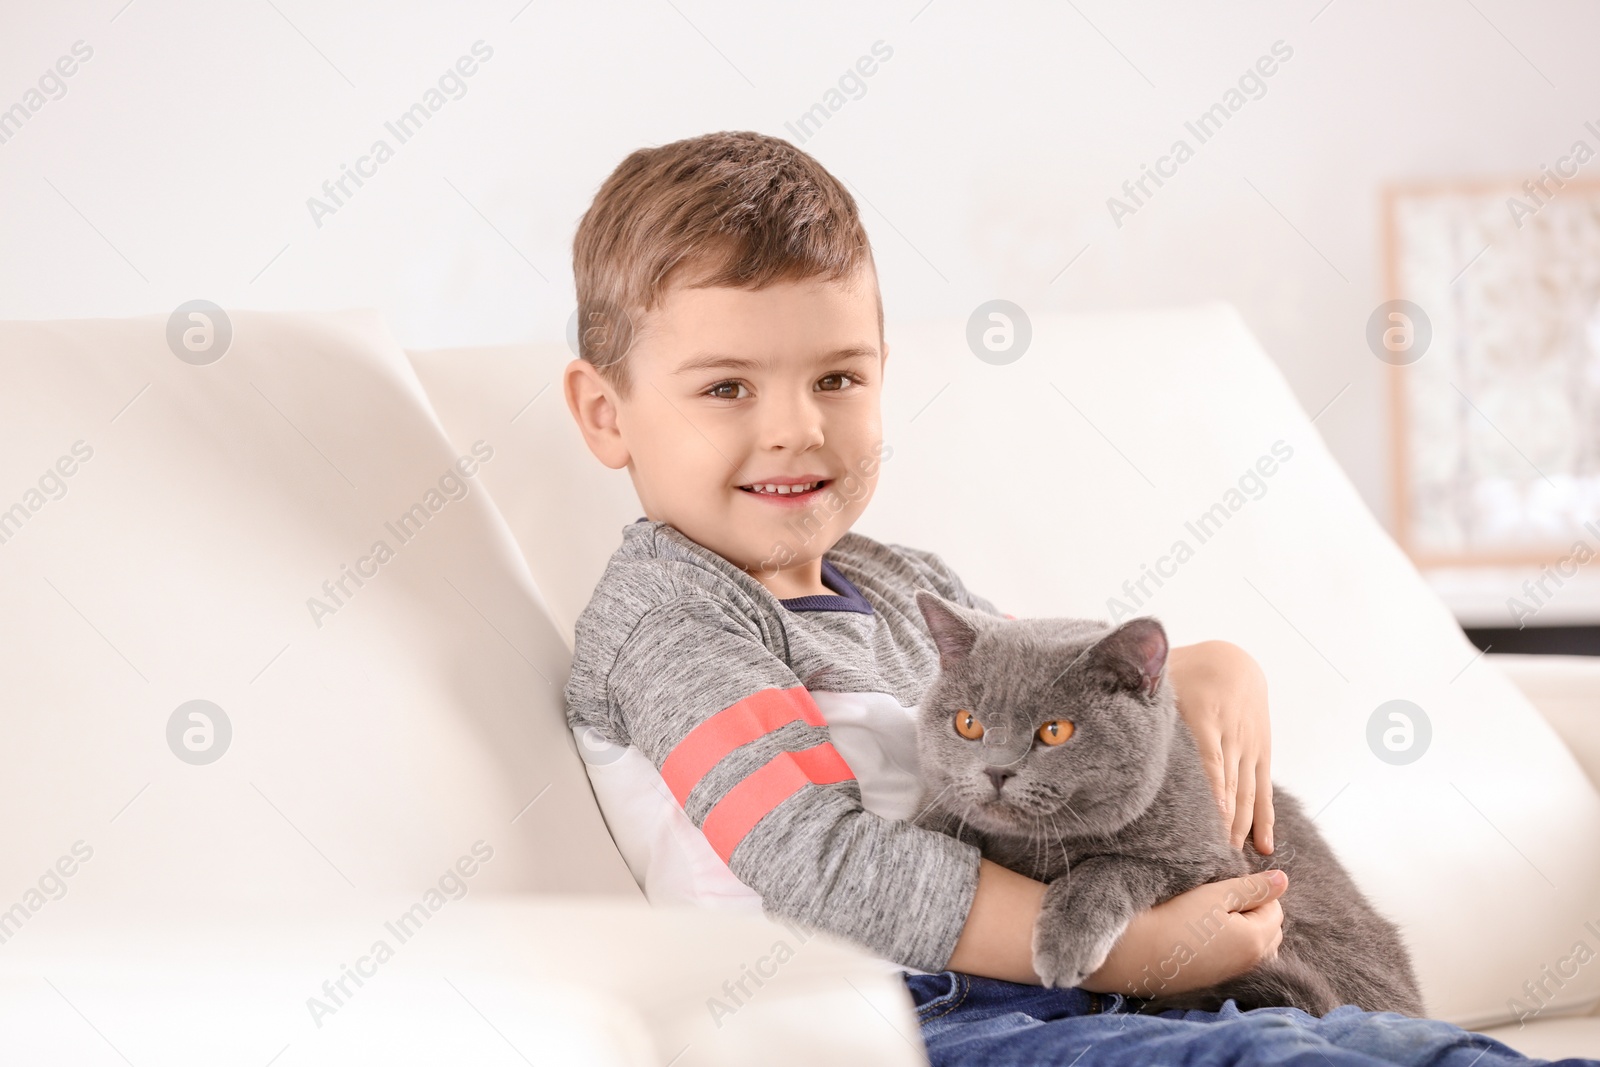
(1056,747)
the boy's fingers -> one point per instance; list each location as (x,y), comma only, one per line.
(1259,889)
(1244,812)
(1267,916)
(1277,939)
(1265,927)
(1227,791)
(1264,815)
(1230,771)
(1211,760)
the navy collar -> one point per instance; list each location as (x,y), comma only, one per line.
(849,598)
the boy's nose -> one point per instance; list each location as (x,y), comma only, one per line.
(795,424)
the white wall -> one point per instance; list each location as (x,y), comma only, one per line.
(179,162)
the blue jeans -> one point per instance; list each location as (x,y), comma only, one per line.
(968,1019)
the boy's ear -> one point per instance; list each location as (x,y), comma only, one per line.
(954,635)
(593,407)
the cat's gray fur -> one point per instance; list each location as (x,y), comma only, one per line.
(1121,816)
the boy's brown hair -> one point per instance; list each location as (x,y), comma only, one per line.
(734,209)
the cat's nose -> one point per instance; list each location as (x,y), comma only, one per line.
(998,776)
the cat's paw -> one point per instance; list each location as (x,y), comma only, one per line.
(1065,956)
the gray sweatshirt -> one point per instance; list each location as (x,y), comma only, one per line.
(756,750)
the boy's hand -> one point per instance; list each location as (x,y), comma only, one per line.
(1222,695)
(1147,961)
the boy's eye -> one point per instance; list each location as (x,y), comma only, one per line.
(968,726)
(1055,731)
(713,391)
(844,380)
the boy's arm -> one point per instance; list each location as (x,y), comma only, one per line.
(1222,696)
(997,940)
(745,751)
(1155,953)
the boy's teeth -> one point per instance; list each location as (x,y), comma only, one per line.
(783,490)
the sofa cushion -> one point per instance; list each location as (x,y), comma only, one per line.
(208,530)
(1566,690)
(1553,1038)
(493,979)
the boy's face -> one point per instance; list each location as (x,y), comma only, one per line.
(735,388)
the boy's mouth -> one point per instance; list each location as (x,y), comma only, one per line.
(788,492)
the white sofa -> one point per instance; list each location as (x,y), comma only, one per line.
(386,733)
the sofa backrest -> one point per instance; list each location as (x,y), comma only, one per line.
(182,531)
(564,507)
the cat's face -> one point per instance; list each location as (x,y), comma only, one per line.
(1053,727)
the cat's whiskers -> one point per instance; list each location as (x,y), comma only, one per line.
(960,824)
(1081,821)
(932,802)
(1044,847)
(1066,857)
(1036,839)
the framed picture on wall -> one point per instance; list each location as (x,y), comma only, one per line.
(1493,334)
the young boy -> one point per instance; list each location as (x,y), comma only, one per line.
(746,698)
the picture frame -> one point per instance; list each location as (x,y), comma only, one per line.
(1495,402)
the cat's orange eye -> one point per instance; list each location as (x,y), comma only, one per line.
(968,726)
(1055,731)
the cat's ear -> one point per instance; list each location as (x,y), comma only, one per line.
(1135,653)
(953,634)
